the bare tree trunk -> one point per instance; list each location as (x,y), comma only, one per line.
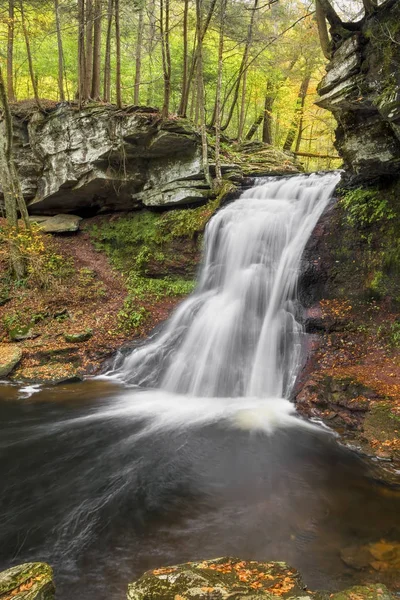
(166,55)
(60,53)
(322,29)
(107,60)
(138,62)
(81,53)
(89,48)
(267,137)
(200,93)
(182,109)
(243,66)
(218,173)
(13,198)
(118,57)
(298,112)
(29,55)
(192,70)
(10,52)
(95,91)
(151,46)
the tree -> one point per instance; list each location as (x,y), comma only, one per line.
(118,52)
(200,91)
(29,55)
(81,53)
(60,52)
(107,59)
(97,18)
(88,48)
(218,173)
(166,54)
(294,125)
(13,198)
(10,52)
(138,61)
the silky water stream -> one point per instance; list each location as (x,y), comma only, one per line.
(190,447)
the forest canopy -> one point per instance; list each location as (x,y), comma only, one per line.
(261,61)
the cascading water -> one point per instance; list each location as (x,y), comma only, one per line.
(238,335)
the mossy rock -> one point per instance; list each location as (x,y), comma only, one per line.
(364,592)
(29,581)
(218,579)
(82,336)
(10,355)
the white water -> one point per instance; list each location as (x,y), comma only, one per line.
(237,338)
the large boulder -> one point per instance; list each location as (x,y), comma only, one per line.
(30,581)
(100,158)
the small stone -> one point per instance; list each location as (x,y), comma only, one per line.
(83,336)
(10,355)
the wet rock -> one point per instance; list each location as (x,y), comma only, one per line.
(58,223)
(30,581)
(218,579)
(364,592)
(10,355)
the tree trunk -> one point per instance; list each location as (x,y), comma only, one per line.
(95,91)
(118,56)
(322,29)
(182,109)
(267,137)
(89,48)
(218,173)
(192,70)
(243,66)
(29,55)
(60,53)
(166,55)
(150,49)
(301,97)
(107,60)
(81,53)
(13,198)
(10,52)
(138,62)
(200,92)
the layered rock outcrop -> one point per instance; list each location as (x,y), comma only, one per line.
(362,90)
(103,159)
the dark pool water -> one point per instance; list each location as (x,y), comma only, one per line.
(102,502)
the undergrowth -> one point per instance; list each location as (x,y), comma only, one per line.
(144,242)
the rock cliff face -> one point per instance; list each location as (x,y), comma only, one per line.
(103,159)
(362,90)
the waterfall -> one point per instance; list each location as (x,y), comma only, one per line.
(239,334)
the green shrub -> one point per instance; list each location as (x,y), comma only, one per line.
(366,207)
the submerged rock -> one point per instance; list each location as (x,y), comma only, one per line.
(30,581)
(10,355)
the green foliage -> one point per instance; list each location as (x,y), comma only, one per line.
(134,242)
(366,207)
